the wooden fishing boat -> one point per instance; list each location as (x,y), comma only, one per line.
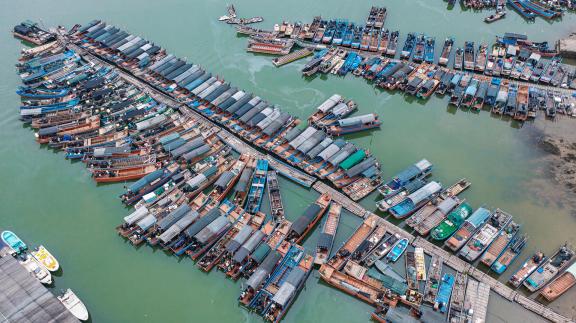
(509,254)
(122,175)
(498,221)
(434,277)
(13,242)
(446,50)
(274,196)
(468,229)
(457,299)
(382,249)
(302,226)
(338,260)
(459,58)
(419,170)
(469,55)
(397,250)
(420,263)
(46,259)
(411,275)
(529,266)
(326,238)
(442,301)
(553,266)
(369,244)
(481,58)
(560,284)
(74,305)
(256,193)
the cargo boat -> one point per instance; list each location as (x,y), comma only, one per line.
(392,43)
(420,169)
(446,51)
(275,198)
(452,222)
(419,48)
(500,243)
(302,226)
(415,201)
(30,32)
(338,260)
(429,49)
(470,226)
(397,250)
(529,266)
(509,254)
(458,59)
(326,238)
(554,265)
(434,277)
(457,299)
(469,56)
(411,275)
(408,46)
(420,263)
(498,221)
(46,259)
(381,250)
(385,204)
(560,284)
(256,193)
(442,301)
(481,58)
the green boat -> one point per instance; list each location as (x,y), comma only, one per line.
(452,222)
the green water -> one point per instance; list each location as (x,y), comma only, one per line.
(48,200)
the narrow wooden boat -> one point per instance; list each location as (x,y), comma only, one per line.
(420,263)
(560,284)
(326,238)
(509,254)
(411,275)
(397,250)
(381,250)
(499,220)
(302,226)
(457,299)
(74,305)
(434,277)
(274,196)
(122,175)
(442,301)
(13,242)
(256,193)
(500,243)
(529,266)
(554,265)
(446,50)
(467,230)
(338,260)
(45,258)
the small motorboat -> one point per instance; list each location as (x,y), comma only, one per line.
(34,267)
(13,242)
(397,250)
(46,259)
(74,305)
(497,16)
(224,18)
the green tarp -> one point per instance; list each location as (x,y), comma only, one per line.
(353,159)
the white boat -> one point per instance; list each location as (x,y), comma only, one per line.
(224,18)
(46,259)
(34,267)
(74,305)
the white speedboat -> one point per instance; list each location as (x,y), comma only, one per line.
(74,305)
(34,267)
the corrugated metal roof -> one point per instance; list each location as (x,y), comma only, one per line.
(329,103)
(249,246)
(202,222)
(325,240)
(299,226)
(196,152)
(359,168)
(135,216)
(260,252)
(178,227)
(192,144)
(174,216)
(346,151)
(244,179)
(147,222)
(448,204)
(212,229)
(425,192)
(196,180)
(293,133)
(358,120)
(239,239)
(224,179)
(329,152)
(312,153)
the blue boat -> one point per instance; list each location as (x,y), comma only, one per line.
(492,91)
(31,93)
(408,46)
(340,32)
(357,38)
(429,49)
(348,35)
(415,201)
(11,240)
(329,32)
(397,250)
(524,12)
(537,9)
(418,170)
(419,48)
(510,254)
(254,200)
(444,292)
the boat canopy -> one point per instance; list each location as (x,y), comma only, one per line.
(224,179)
(211,230)
(292,134)
(314,152)
(196,181)
(239,239)
(248,247)
(300,225)
(354,159)
(146,180)
(325,240)
(244,179)
(190,145)
(425,192)
(289,288)
(202,222)
(329,151)
(136,215)
(264,270)
(168,138)
(448,204)
(342,154)
(389,282)
(479,216)
(147,222)
(329,103)
(109,151)
(196,152)
(360,168)
(173,216)
(260,253)
(179,226)
(143,125)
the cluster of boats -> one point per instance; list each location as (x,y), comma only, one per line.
(41,264)
(31,32)
(530,9)
(250,117)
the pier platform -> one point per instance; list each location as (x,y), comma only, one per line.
(24,299)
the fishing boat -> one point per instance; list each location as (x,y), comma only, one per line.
(419,48)
(509,254)
(481,58)
(256,193)
(302,226)
(419,170)
(560,284)
(258,278)
(357,238)
(429,47)
(478,103)
(13,242)
(519,7)
(385,204)
(45,258)
(392,43)
(470,226)
(326,238)
(384,38)
(35,268)
(469,56)
(498,221)
(387,270)
(415,201)
(552,267)
(452,222)
(420,263)
(408,46)
(442,301)
(381,250)
(434,277)
(411,275)
(500,243)
(527,268)
(74,305)
(457,300)
(494,17)
(397,250)
(459,59)
(446,50)
(122,175)
(274,196)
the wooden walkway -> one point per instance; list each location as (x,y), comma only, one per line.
(485,281)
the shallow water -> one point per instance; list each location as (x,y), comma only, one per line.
(48,200)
